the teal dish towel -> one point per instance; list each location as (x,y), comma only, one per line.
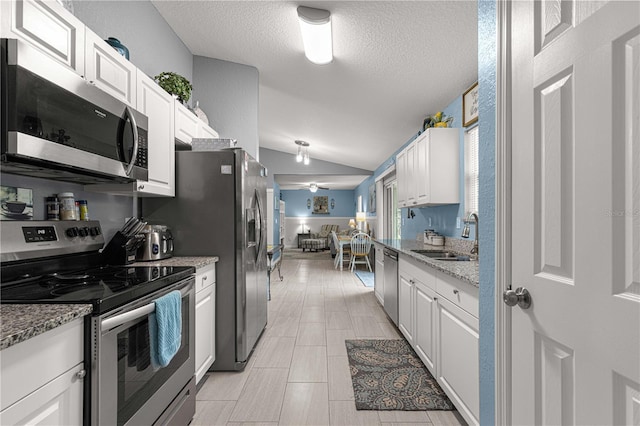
(165,329)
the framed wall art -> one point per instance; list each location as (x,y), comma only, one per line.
(16,203)
(321,204)
(372,198)
(470,106)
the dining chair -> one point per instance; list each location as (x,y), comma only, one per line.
(345,250)
(360,247)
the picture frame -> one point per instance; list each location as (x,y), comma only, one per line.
(470,105)
(16,203)
(321,204)
(372,198)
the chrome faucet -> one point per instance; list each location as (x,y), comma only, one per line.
(472,218)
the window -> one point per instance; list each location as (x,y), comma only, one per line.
(471,142)
(392,214)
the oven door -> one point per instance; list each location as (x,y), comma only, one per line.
(125,388)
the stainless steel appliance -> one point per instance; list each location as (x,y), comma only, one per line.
(157,244)
(56,125)
(391,284)
(46,262)
(219,211)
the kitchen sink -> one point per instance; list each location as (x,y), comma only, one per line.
(441,255)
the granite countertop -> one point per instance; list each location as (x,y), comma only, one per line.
(21,322)
(195,261)
(464,271)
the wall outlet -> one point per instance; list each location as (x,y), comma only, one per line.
(457,223)
(429,222)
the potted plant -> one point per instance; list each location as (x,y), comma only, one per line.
(175,84)
(437,120)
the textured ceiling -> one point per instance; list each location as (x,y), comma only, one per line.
(394,63)
(325,181)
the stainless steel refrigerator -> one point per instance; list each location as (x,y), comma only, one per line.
(219,210)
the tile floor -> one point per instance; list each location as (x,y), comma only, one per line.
(299,373)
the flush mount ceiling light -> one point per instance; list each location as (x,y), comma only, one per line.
(315,25)
(303,152)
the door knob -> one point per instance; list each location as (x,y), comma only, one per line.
(520,297)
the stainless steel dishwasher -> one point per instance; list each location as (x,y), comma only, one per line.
(391,284)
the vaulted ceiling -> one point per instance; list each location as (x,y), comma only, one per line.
(394,63)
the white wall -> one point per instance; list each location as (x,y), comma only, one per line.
(293,226)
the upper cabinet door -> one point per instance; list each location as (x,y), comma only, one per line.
(157,104)
(186,123)
(48,26)
(205,131)
(109,70)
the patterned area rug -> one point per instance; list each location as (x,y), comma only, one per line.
(388,375)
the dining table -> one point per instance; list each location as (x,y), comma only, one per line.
(343,240)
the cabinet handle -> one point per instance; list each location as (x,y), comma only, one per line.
(80,374)
(455,292)
(140,187)
(204,278)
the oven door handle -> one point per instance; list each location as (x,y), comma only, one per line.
(142,311)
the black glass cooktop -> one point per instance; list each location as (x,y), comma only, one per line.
(105,287)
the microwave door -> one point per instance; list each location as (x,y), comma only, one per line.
(128,142)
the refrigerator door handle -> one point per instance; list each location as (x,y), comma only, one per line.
(258,225)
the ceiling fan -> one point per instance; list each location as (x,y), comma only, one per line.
(313,187)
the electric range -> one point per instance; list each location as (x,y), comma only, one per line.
(61,262)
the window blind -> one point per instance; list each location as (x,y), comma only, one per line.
(471,142)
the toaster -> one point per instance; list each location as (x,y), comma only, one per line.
(157,244)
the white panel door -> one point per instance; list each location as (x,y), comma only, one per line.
(157,105)
(425,330)
(109,70)
(575,353)
(405,307)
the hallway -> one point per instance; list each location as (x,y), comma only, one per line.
(299,373)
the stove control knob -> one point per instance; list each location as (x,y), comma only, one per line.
(83,232)
(72,232)
(92,231)
(96,229)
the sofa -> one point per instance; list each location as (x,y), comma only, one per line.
(325,233)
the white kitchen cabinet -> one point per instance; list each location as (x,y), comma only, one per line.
(378,283)
(412,175)
(49,27)
(42,378)
(186,123)
(406,289)
(204,131)
(157,105)
(428,169)
(458,370)
(425,324)
(401,177)
(438,175)
(205,319)
(189,126)
(109,70)
(438,315)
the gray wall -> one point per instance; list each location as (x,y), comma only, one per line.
(110,210)
(228,94)
(153,46)
(278,162)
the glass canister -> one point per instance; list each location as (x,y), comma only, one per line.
(84,209)
(67,206)
(53,208)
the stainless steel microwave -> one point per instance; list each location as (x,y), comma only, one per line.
(57,125)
